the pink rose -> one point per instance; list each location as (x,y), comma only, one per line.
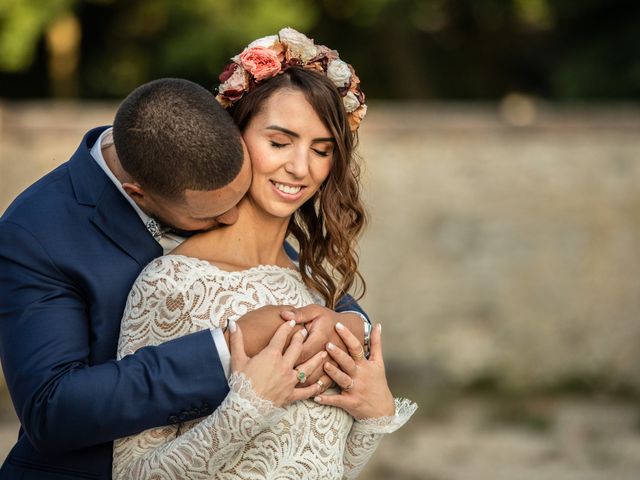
(260,62)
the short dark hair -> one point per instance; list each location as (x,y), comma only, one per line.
(172,135)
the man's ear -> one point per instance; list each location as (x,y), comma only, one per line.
(136,192)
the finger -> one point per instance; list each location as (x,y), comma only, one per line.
(312,345)
(292,353)
(342,358)
(350,340)
(340,401)
(236,347)
(279,339)
(313,363)
(323,383)
(303,393)
(307,313)
(375,354)
(343,380)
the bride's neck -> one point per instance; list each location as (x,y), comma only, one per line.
(255,239)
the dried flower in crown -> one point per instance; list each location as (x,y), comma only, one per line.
(267,57)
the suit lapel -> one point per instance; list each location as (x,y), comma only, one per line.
(112,214)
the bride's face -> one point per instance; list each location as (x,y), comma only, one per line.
(291,153)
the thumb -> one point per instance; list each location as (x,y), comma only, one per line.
(376,344)
(236,347)
(300,315)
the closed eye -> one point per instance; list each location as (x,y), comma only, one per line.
(322,153)
(278,145)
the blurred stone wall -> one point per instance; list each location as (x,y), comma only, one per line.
(504,242)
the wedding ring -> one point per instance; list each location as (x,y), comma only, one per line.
(301,376)
(320,385)
(346,389)
(359,355)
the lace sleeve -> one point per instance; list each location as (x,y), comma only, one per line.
(365,436)
(163,453)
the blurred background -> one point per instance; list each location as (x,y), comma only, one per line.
(501,155)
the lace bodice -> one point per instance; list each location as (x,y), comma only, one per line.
(246,437)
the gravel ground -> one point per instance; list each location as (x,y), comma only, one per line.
(494,439)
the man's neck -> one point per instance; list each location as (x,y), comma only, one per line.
(113,163)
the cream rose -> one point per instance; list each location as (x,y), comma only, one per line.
(266,42)
(356,117)
(300,46)
(339,73)
(260,62)
(351,102)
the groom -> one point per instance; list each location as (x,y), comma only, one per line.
(71,246)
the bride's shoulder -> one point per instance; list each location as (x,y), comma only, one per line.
(170,268)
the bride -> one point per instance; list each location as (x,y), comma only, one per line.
(298,107)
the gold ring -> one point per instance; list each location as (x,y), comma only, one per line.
(359,355)
(346,389)
(301,376)
(320,385)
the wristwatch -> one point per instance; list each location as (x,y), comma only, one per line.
(367,338)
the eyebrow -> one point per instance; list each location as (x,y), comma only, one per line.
(295,135)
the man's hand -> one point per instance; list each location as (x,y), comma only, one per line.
(260,325)
(320,322)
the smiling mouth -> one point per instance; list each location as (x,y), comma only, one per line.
(288,189)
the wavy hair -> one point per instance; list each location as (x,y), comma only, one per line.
(327,225)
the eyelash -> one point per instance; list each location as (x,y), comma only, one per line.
(282,145)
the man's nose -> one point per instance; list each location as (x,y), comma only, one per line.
(229,217)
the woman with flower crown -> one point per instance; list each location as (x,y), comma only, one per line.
(298,107)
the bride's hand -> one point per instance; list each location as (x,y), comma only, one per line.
(271,371)
(365,392)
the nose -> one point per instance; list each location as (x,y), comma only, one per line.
(229,217)
(298,164)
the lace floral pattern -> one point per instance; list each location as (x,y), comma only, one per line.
(246,437)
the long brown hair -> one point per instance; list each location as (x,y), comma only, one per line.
(327,226)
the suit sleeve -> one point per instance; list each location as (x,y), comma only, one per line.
(64,403)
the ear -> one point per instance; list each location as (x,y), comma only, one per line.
(137,193)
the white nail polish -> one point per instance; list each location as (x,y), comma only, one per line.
(339,326)
(330,346)
(303,332)
(380,327)
(317,399)
(292,323)
(232,326)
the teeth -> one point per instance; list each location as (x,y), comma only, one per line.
(287,188)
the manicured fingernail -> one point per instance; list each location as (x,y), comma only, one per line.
(292,323)
(380,327)
(232,326)
(339,326)
(330,346)
(317,399)
(303,332)
(288,315)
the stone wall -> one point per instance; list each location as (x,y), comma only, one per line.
(496,252)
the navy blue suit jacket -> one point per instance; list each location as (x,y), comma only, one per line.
(71,246)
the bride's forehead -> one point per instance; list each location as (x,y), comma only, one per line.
(290,108)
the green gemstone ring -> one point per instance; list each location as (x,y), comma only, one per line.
(301,376)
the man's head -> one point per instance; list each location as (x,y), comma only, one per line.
(182,155)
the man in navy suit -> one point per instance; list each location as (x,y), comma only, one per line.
(72,245)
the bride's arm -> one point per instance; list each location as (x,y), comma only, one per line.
(166,302)
(200,452)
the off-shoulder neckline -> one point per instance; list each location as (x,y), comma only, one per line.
(246,271)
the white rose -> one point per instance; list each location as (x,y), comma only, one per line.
(351,102)
(266,42)
(299,44)
(339,73)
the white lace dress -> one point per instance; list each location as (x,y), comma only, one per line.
(246,437)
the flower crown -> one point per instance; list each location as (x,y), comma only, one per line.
(269,56)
